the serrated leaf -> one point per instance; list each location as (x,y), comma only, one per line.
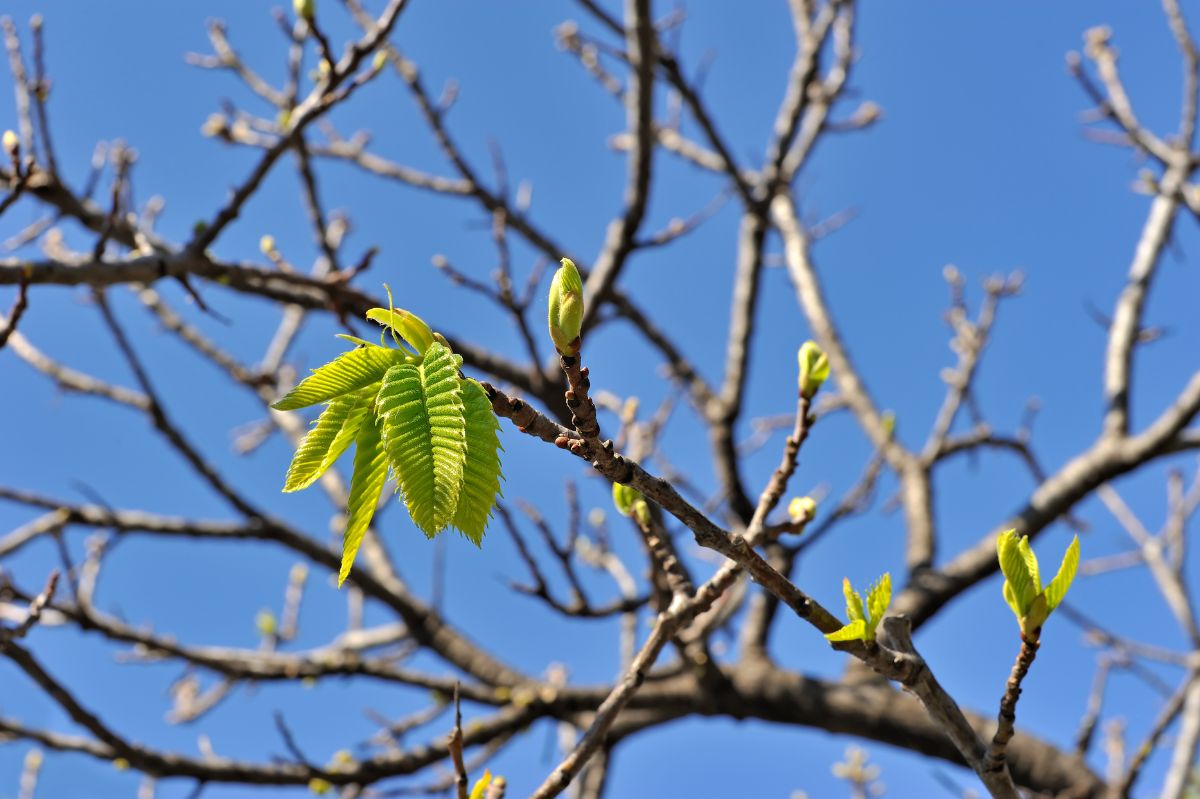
(854,631)
(854,606)
(481,469)
(328,438)
(1030,563)
(424,434)
(370,475)
(1011,599)
(348,372)
(1016,570)
(1066,575)
(878,599)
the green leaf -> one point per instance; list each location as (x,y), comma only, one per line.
(1016,571)
(370,475)
(1030,563)
(1066,575)
(481,471)
(424,433)
(350,371)
(854,631)
(481,785)
(328,438)
(1011,599)
(854,606)
(408,326)
(878,599)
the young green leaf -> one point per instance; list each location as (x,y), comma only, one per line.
(370,475)
(481,785)
(878,599)
(350,371)
(408,326)
(1066,575)
(328,438)
(1016,571)
(854,605)
(481,471)
(1030,563)
(424,433)
(854,631)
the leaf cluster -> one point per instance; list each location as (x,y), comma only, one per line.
(411,414)
(1023,591)
(864,617)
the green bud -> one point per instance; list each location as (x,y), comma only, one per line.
(305,9)
(814,369)
(889,424)
(266,624)
(641,511)
(566,308)
(625,498)
(802,509)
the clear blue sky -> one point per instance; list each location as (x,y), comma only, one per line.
(980,161)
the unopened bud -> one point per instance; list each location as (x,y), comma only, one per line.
(267,245)
(566,308)
(11,143)
(305,9)
(814,369)
(625,498)
(802,509)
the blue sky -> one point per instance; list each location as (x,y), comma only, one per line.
(980,161)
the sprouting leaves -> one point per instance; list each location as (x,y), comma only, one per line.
(409,414)
(629,502)
(863,619)
(814,368)
(1023,590)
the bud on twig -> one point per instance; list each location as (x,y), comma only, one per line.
(566,308)
(814,369)
(305,9)
(12,145)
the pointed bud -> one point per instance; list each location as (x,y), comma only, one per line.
(566,308)
(814,369)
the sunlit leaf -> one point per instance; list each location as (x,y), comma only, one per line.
(854,606)
(481,470)
(424,434)
(370,475)
(854,631)
(328,438)
(1066,575)
(349,372)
